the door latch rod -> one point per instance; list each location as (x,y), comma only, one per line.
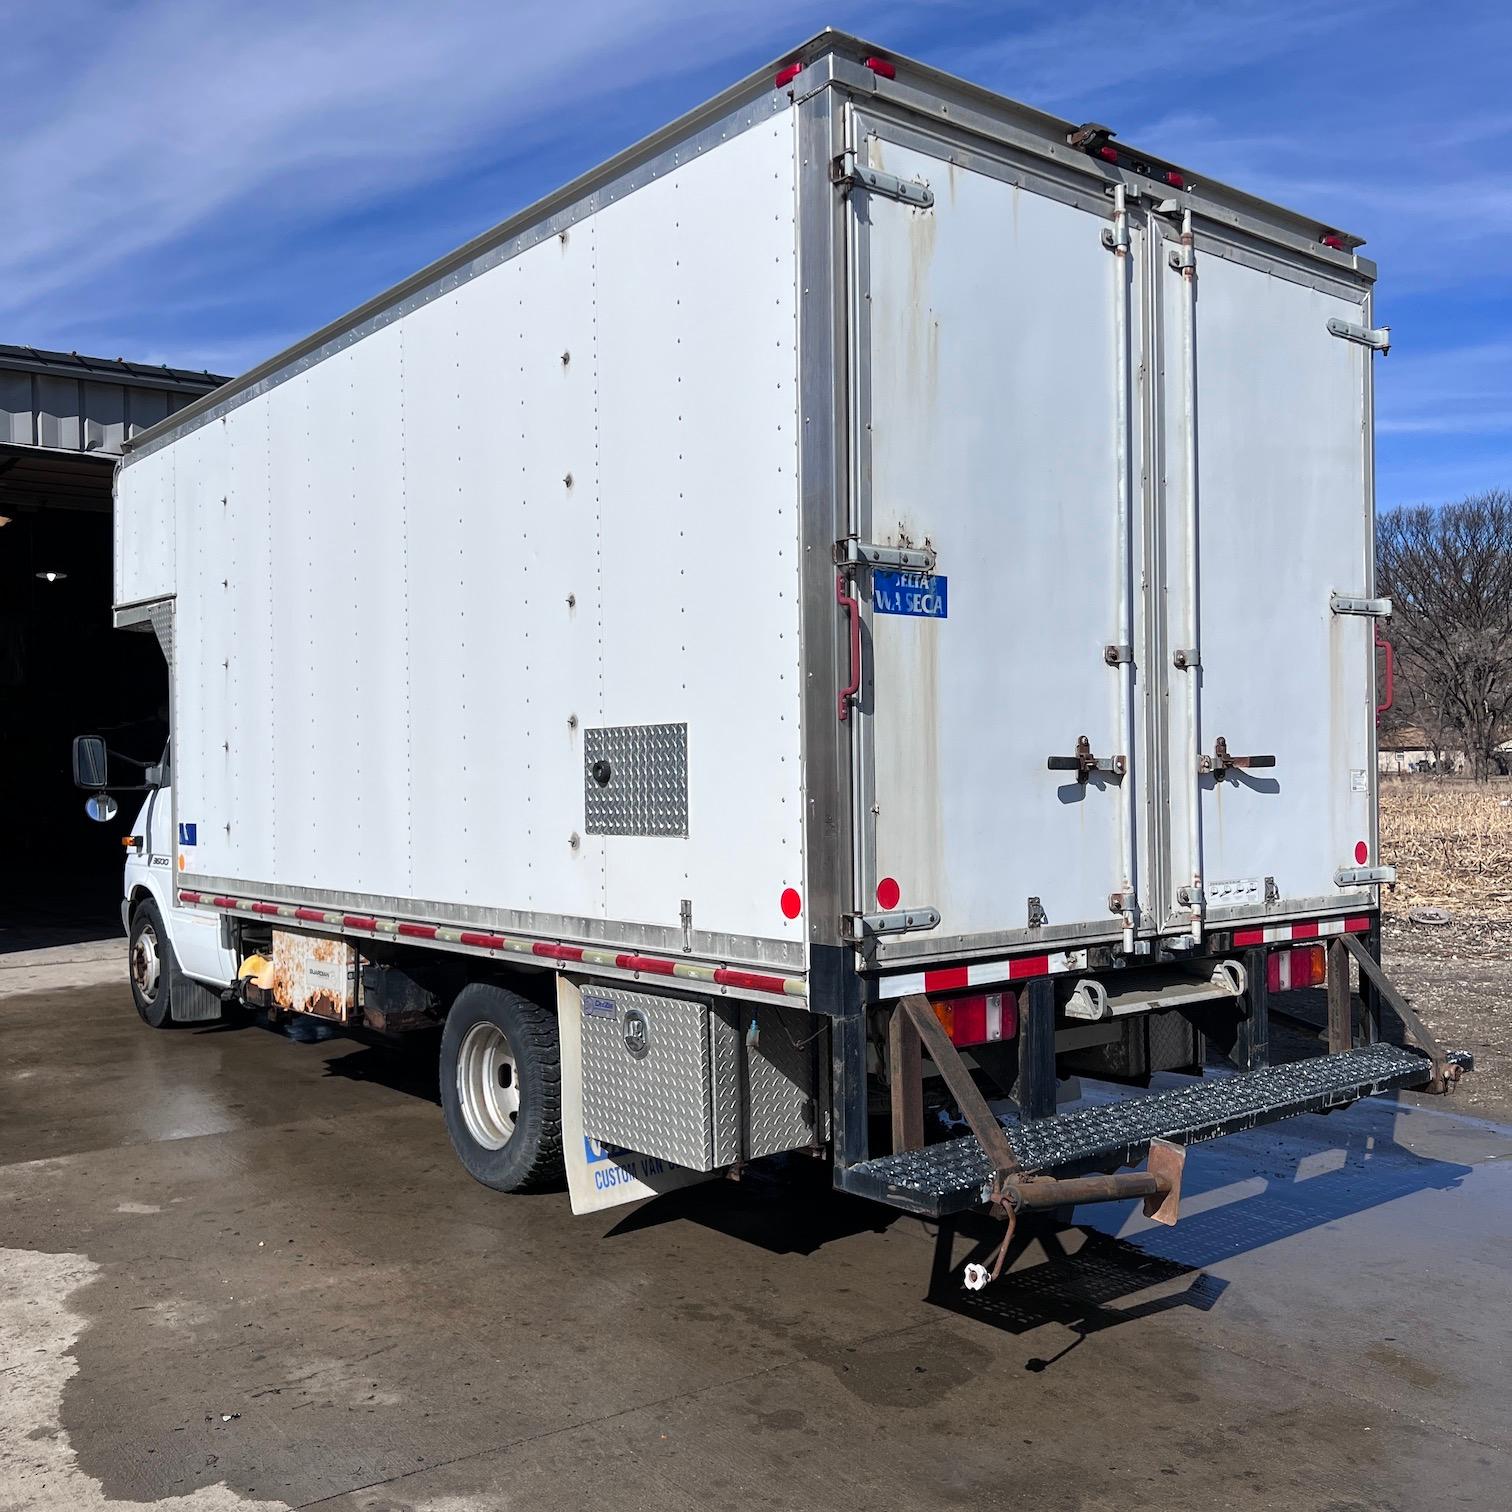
(1084,763)
(1220,761)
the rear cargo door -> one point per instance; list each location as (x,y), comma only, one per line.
(1256,663)
(986,390)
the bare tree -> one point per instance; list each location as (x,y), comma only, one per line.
(1448,573)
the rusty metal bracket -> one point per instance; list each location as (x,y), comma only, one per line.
(1221,760)
(980,1119)
(1446,1073)
(1084,763)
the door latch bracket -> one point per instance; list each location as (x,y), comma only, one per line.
(1084,763)
(1221,760)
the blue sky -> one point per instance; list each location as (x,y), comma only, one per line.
(201,183)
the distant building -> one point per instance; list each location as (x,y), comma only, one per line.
(63,670)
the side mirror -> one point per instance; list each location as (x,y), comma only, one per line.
(102,808)
(91,763)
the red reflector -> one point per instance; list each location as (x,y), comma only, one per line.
(978,1019)
(188,897)
(1356,925)
(1306,930)
(882,67)
(888,893)
(790,903)
(359,921)
(1277,976)
(1330,239)
(1174,179)
(310,915)
(483,941)
(788,74)
(1362,853)
(265,908)
(1108,154)
(418,931)
(1308,966)
(970,1020)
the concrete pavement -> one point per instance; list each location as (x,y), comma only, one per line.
(239,1272)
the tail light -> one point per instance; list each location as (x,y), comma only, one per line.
(882,68)
(1287,970)
(978,1018)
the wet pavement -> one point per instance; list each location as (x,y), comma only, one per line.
(241,1272)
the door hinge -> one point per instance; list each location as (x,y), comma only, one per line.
(851,552)
(1364,876)
(861,927)
(845,170)
(1377,338)
(1354,603)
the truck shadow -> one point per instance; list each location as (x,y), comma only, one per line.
(1077,1274)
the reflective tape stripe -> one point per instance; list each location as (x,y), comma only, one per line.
(660,966)
(984,973)
(1305,929)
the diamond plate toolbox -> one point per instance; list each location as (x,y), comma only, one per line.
(662,1076)
(635,780)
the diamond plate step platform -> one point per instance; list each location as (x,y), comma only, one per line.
(950,1177)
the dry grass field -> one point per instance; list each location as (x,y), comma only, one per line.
(1451,843)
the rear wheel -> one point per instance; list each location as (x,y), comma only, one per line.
(501,1089)
(149,957)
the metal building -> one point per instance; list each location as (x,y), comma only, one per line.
(63,669)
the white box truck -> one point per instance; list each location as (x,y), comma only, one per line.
(859,609)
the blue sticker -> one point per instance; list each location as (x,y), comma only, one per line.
(598,1007)
(187,833)
(918,593)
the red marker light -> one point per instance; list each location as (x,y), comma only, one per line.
(888,892)
(788,74)
(882,68)
(1332,239)
(790,903)
(1108,154)
(1174,179)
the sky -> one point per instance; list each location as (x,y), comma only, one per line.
(202,183)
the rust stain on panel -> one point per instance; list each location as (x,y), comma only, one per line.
(314,974)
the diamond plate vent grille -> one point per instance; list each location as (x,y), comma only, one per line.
(635,780)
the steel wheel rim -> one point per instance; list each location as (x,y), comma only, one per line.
(488,1086)
(146,964)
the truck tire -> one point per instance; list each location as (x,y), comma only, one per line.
(501,1089)
(149,963)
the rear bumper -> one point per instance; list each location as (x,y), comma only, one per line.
(955,1176)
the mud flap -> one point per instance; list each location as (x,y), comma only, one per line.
(602,1176)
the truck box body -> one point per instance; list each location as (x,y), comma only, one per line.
(870,539)
(586,478)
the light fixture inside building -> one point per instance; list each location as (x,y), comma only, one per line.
(52,577)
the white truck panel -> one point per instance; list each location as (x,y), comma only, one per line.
(145,566)
(992,437)
(1283,520)
(396,616)
(697,560)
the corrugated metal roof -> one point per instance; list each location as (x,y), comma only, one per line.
(110,369)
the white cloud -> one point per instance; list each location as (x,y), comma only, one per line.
(195,113)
